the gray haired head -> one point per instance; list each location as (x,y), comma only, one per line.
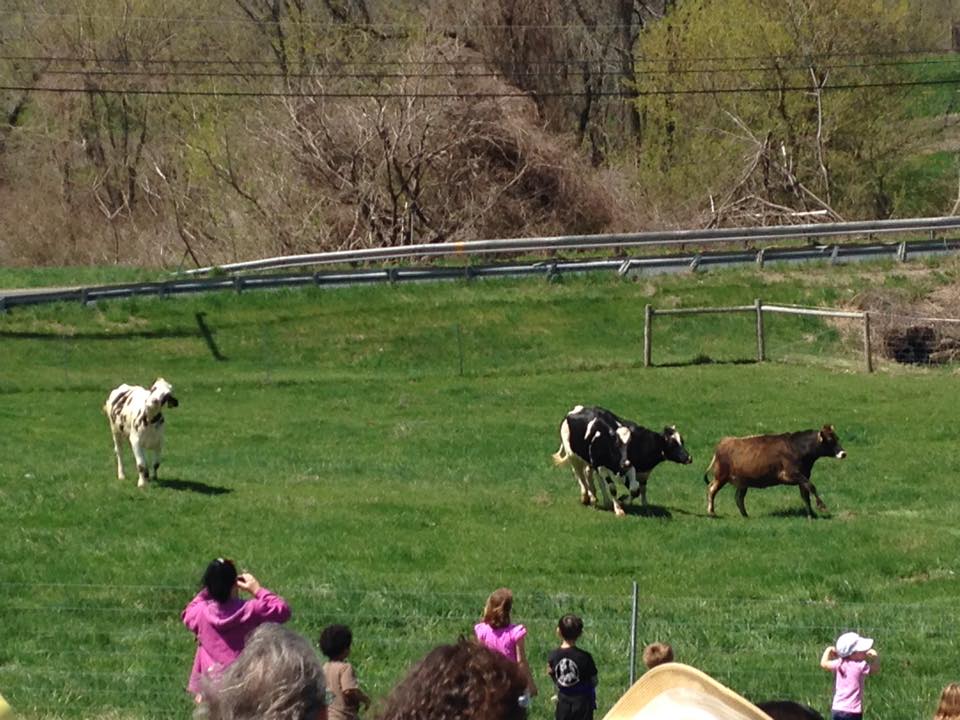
(278,676)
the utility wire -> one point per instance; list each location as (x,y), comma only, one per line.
(238,74)
(806,59)
(378,94)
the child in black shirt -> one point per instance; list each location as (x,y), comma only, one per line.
(573,672)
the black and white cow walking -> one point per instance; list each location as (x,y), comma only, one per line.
(594,440)
(135,413)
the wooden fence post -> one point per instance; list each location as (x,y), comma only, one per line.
(647,333)
(867,355)
(761,354)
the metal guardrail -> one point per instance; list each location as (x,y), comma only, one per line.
(666,238)
(624,266)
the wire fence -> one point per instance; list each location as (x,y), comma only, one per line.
(141,664)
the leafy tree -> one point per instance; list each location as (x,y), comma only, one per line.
(767,111)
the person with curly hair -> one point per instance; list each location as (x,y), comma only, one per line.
(496,632)
(461,681)
(278,676)
(949,707)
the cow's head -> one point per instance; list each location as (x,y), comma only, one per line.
(830,443)
(623,434)
(161,393)
(673,446)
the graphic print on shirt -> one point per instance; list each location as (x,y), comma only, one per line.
(567,673)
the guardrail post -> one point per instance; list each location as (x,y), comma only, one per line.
(902,251)
(761,354)
(238,284)
(647,334)
(834,254)
(84,296)
(760,258)
(867,354)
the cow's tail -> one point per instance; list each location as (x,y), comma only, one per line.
(560,457)
(706,473)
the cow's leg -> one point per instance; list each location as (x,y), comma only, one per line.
(720,479)
(140,454)
(741,494)
(608,486)
(591,486)
(821,506)
(117,444)
(639,487)
(805,494)
(156,462)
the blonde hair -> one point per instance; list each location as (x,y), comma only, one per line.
(657,653)
(949,707)
(496,613)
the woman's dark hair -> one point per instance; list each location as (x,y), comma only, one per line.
(219,579)
(463,681)
(335,640)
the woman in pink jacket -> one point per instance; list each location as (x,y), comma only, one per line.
(222,621)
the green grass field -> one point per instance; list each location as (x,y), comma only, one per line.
(380,456)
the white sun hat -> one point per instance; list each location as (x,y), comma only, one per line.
(674,691)
(851,642)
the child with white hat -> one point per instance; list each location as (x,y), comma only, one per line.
(851,660)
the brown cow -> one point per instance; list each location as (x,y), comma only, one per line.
(763,460)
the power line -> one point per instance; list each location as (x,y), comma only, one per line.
(95,72)
(806,59)
(378,94)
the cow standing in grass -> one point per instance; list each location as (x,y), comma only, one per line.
(593,440)
(760,461)
(135,413)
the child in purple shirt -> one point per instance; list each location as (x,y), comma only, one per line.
(222,621)
(851,660)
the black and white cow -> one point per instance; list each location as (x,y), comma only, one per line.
(594,440)
(135,413)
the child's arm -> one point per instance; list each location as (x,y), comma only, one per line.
(828,658)
(522,661)
(355,697)
(873,659)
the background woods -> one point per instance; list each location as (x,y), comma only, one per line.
(172,133)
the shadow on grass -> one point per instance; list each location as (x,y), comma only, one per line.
(654,511)
(799,512)
(192,486)
(691,513)
(706,360)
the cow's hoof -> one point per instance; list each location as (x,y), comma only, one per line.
(619,512)
(141,483)
(584,500)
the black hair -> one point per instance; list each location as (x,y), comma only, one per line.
(570,627)
(335,640)
(219,579)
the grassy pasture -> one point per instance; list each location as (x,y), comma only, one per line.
(381,456)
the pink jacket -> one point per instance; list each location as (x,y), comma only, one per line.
(222,629)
